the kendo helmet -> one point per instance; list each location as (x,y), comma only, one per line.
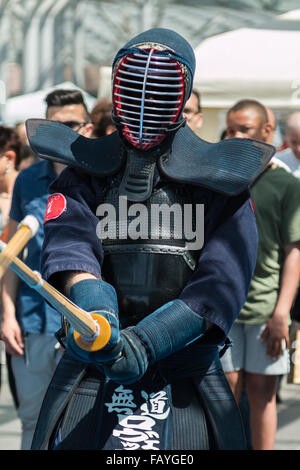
(152,78)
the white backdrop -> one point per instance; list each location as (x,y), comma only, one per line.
(249,63)
(32,105)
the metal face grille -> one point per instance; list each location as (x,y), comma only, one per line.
(148,93)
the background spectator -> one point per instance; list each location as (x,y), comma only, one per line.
(68,106)
(192,111)
(291,155)
(10,153)
(29,323)
(27,158)
(21,131)
(260,334)
(101,118)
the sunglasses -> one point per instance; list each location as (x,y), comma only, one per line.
(74,124)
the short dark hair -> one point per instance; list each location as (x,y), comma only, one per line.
(25,154)
(198,96)
(9,140)
(101,117)
(62,97)
(249,103)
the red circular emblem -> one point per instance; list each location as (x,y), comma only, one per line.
(56,205)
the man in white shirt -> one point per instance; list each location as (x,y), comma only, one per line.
(291,155)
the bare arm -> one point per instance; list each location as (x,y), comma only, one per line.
(73,277)
(277,327)
(10,329)
(290,277)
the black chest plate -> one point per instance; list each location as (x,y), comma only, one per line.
(148,247)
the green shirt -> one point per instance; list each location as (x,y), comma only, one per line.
(276,198)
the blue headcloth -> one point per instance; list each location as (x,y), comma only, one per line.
(181,49)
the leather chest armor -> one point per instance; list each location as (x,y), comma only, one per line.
(151,270)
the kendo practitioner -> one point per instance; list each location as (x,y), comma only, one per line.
(158,383)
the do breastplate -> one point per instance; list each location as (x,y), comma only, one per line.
(146,251)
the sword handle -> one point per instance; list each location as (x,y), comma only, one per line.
(26,230)
(93,331)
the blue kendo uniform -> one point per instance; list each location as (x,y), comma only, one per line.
(160,384)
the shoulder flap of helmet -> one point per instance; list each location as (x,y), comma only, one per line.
(52,140)
(229,166)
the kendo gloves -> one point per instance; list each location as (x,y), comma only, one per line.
(96,296)
(129,352)
(162,333)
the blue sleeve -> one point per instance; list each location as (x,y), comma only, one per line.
(71,242)
(16,207)
(219,287)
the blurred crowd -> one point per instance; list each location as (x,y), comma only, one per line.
(259,356)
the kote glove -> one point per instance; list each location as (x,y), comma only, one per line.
(97,296)
(166,331)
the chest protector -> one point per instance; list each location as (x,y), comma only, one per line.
(146,254)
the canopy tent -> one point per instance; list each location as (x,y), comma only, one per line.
(263,64)
(32,105)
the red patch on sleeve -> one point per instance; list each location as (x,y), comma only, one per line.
(56,205)
(253,206)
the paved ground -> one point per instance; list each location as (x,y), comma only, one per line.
(10,427)
(288,435)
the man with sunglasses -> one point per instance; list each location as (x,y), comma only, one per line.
(68,106)
(29,323)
